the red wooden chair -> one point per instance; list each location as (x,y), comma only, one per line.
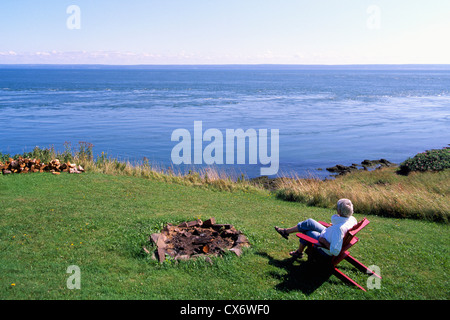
(349,240)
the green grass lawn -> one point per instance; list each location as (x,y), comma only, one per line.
(101,222)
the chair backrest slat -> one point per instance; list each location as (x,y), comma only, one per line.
(348,238)
(349,244)
(359,226)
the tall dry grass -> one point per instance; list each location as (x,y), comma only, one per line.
(205,177)
(424,195)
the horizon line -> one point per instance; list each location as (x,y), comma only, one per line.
(290,64)
(360,65)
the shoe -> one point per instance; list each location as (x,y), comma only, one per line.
(282,232)
(295,254)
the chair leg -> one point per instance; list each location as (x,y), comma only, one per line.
(360,266)
(338,273)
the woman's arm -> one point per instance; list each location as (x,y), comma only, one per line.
(324,243)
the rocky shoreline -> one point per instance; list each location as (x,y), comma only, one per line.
(365,165)
(337,170)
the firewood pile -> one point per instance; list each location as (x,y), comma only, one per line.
(195,239)
(26,165)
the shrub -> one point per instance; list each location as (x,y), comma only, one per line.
(85,152)
(430,160)
(44,154)
(4,157)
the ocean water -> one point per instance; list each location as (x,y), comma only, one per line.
(325,115)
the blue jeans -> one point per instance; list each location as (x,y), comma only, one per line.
(311,228)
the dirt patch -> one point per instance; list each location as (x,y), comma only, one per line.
(197,238)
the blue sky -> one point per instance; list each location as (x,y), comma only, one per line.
(223,32)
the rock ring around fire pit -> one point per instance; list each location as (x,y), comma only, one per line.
(196,239)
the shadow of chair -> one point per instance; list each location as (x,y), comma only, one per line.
(306,276)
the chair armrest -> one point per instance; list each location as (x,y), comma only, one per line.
(325,224)
(307,238)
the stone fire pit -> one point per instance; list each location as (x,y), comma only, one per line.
(197,238)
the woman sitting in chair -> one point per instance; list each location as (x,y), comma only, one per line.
(329,238)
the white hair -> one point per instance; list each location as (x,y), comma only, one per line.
(344,207)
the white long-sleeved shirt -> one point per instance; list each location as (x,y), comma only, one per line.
(336,232)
